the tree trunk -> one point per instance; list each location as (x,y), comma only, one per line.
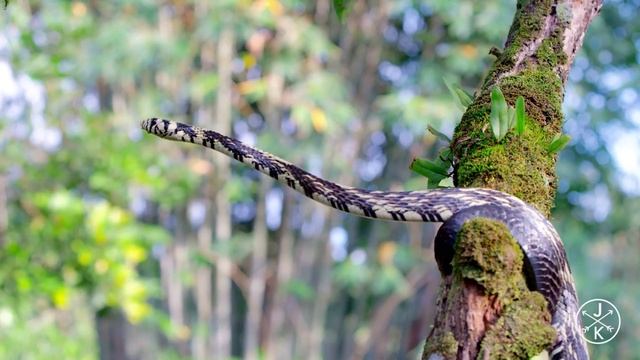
(112,335)
(257,275)
(203,340)
(279,346)
(540,48)
(222,332)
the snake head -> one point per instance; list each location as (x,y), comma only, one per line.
(170,130)
(156,126)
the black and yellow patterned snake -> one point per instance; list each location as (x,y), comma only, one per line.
(546,264)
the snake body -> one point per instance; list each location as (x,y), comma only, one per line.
(546,264)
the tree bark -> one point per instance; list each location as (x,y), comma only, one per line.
(257,275)
(203,341)
(112,335)
(222,331)
(543,40)
(277,345)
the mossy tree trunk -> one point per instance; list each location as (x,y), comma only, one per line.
(480,313)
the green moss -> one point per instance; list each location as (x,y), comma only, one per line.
(445,345)
(546,55)
(488,254)
(511,337)
(528,23)
(543,93)
(524,29)
(519,165)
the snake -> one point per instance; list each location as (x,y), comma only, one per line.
(545,265)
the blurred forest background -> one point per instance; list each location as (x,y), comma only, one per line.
(119,245)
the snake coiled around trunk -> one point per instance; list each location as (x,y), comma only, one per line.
(546,267)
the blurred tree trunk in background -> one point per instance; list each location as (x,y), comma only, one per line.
(176,265)
(257,275)
(277,345)
(223,321)
(204,345)
(112,335)
(542,43)
(258,326)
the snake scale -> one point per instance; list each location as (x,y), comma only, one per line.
(546,266)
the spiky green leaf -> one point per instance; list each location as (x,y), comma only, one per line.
(429,165)
(446,157)
(434,173)
(438,134)
(499,116)
(558,143)
(463,99)
(511,114)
